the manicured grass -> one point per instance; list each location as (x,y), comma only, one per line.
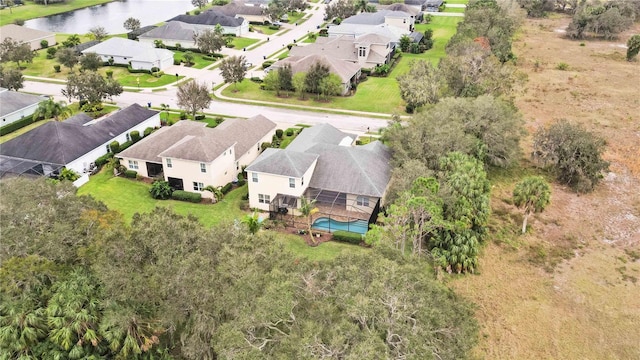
(32,11)
(198,60)
(323,252)
(241,43)
(294,17)
(130,197)
(376,94)
(457,2)
(126,78)
(310,39)
(454,9)
(264,29)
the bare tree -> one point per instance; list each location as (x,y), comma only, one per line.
(132,24)
(98,33)
(193,97)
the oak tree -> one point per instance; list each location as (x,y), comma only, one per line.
(193,97)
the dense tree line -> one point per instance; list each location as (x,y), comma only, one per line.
(77,282)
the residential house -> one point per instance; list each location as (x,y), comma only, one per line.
(16,105)
(368,51)
(391,24)
(432,5)
(210,18)
(74,143)
(416,12)
(347,71)
(23,34)
(172,34)
(139,55)
(321,164)
(237,9)
(191,156)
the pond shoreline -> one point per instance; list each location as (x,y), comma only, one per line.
(18,12)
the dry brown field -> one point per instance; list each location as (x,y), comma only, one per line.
(570,287)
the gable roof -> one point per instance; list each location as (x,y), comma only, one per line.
(22,34)
(175,30)
(404,8)
(210,17)
(85,45)
(191,140)
(344,69)
(391,32)
(343,47)
(361,170)
(135,50)
(374,18)
(13,101)
(238,8)
(283,162)
(63,142)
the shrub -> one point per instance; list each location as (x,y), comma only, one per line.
(562,66)
(196,12)
(182,195)
(279,133)
(114,146)
(177,61)
(138,71)
(199,117)
(109,74)
(147,131)
(131,174)
(289,132)
(155,69)
(183,115)
(44,44)
(125,145)
(160,190)
(265,145)
(135,136)
(51,52)
(18,22)
(16,125)
(242,182)
(256,79)
(103,159)
(225,189)
(267,63)
(348,237)
(56,67)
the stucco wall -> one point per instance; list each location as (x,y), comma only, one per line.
(169,42)
(17,115)
(272,185)
(353,206)
(253,152)
(402,23)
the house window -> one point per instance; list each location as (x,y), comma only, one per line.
(203,167)
(362,51)
(292,183)
(362,201)
(302,182)
(133,164)
(198,186)
(108,148)
(128,137)
(169,164)
(404,21)
(230,151)
(224,153)
(264,199)
(254,177)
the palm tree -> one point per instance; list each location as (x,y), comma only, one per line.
(216,191)
(165,108)
(253,222)
(308,208)
(52,109)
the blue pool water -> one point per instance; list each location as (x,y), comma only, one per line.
(326,224)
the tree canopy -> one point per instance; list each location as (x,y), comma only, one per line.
(193,97)
(77,282)
(532,194)
(92,87)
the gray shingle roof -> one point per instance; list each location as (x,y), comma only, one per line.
(12,101)
(191,140)
(375,18)
(63,142)
(21,33)
(234,9)
(283,162)
(361,170)
(175,30)
(210,17)
(129,48)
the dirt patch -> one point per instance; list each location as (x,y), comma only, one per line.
(569,287)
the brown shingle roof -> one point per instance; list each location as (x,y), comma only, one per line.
(345,69)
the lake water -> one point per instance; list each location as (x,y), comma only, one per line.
(111,16)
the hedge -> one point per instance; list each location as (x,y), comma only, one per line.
(131,174)
(148,131)
(225,189)
(348,237)
(103,159)
(16,125)
(182,195)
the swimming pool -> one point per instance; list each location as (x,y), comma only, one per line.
(326,224)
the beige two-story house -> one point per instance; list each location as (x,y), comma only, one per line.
(191,156)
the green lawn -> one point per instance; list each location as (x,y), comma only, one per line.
(130,196)
(453,10)
(294,17)
(240,42)
(199,61)
(32,11)
(458,2)
(324,251)
(264,29)
(376,94)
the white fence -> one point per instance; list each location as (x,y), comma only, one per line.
(81,181)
